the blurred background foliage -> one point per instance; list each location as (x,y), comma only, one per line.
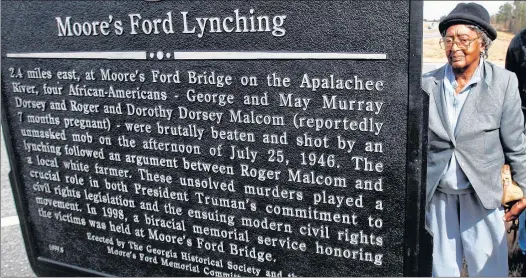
(511,17)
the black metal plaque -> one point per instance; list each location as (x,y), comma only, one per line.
(217,138)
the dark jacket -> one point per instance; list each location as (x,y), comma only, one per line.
(516,62)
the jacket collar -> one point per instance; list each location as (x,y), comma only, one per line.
(432,85)
(432,79)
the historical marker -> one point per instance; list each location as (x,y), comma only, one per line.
(217,138)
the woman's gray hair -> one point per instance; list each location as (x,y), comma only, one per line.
(486,41)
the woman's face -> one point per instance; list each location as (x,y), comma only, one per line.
(465,49)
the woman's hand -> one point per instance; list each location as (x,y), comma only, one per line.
(515,210)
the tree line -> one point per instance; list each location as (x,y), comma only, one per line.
(511,17)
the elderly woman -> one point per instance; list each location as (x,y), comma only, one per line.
(475,126)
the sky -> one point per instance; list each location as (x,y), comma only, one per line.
(436,9)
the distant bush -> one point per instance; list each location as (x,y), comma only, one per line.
(511,17)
